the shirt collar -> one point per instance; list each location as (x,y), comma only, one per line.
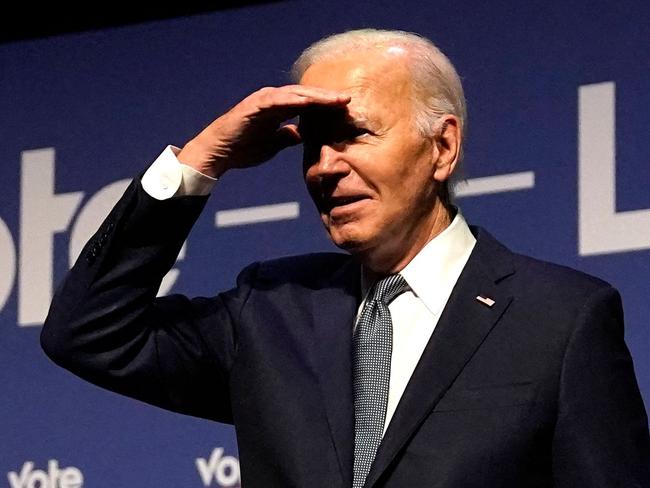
(434,271)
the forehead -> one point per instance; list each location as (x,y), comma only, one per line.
(375,80)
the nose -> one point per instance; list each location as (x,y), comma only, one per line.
(331,164)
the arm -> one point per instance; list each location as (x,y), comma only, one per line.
(105,323)
(601,436)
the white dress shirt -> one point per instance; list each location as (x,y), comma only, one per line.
(166,178)
(431,274)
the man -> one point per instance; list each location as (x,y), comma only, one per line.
(485,369)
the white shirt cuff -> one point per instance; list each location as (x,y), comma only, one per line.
(167,177)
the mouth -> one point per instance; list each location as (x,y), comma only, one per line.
(342,203)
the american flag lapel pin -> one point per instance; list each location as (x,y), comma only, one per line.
(485,300)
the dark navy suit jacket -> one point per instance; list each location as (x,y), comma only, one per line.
(537,390)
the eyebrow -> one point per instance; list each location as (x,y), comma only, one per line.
(361,119)
(344,118)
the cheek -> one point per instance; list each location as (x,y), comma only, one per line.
(417,168)
(409,189)
(312,181)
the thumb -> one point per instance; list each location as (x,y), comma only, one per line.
(286,136)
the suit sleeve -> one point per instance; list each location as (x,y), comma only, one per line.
(601,436)
(106,325)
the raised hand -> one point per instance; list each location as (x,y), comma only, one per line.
(255,129)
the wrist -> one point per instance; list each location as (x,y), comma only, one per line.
(200,158)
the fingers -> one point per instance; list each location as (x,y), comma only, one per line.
(320,96)
(298,96)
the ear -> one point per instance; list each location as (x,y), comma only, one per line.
(447,141)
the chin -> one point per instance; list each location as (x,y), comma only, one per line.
(351,235)
(348,241)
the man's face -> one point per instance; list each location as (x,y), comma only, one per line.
(367,167)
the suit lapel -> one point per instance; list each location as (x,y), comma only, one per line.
(335,306)
(462,327)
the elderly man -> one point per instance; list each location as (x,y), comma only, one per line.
(429,356)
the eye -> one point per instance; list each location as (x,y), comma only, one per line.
(352,132)
(360,132)
(316,132)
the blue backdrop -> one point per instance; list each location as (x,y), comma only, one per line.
(556,158)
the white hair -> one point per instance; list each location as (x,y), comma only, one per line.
(437,88)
